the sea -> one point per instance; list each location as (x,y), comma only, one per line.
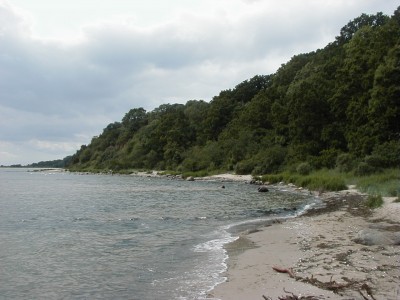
(87,236)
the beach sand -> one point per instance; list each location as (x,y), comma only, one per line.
(320,249)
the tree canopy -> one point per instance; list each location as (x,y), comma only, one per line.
(341,100)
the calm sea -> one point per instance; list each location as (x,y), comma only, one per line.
(71,236)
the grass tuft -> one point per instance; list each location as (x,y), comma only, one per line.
(321,180)
(374,201)
(386,183)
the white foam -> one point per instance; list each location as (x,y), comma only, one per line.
(211,271)
(214,245)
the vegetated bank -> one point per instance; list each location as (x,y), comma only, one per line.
(335,108)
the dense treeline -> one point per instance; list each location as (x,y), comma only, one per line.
(58,163)
(335,107)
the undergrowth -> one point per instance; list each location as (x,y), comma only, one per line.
(324,180)
(386,183)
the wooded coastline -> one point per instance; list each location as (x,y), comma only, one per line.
(336,107)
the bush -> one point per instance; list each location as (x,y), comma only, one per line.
(388,154)
(364,169)
(325,159)
(374,201)
(374,161)
(244,167)
(268,160)
(345,162)
(303,168)
(201,173)
(272,178)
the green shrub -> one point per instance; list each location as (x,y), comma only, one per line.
(269,160)
(257,171)
(326,159)
(364,169)
(388,154)
(272,178)
(393,189)
(304,168)
(244,167)
(345,162)
(374,161)
(201,173)
(374,201)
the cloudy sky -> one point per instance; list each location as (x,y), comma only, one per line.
(70,67)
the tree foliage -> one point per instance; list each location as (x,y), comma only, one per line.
(335,107)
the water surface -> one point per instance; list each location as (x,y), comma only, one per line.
(71,236)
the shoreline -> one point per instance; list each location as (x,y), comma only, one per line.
(316,251)
(340,251)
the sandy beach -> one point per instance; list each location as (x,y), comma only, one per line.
(343,251)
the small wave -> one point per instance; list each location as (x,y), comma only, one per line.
(307,207)
(211,272)
(214,245)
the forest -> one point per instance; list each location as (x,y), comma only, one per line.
(333,108)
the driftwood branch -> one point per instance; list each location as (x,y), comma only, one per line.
(292,296)
(284,270)
(331,285)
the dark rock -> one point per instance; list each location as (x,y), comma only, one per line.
(263,189)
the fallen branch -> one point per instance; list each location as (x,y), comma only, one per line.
(368,290)
(284,270)
(331,285)
(294,297)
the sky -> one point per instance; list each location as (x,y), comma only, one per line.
(68,68)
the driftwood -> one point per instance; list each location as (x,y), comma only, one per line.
(284,270)
(294,297)
(331,285)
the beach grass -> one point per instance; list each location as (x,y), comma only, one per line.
(386,183)
(323,180)
(374,201)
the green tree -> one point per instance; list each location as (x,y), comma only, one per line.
(135,119)
(384,105)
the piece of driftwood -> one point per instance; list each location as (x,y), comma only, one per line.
(284,270)
(331,285)
(292,296)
